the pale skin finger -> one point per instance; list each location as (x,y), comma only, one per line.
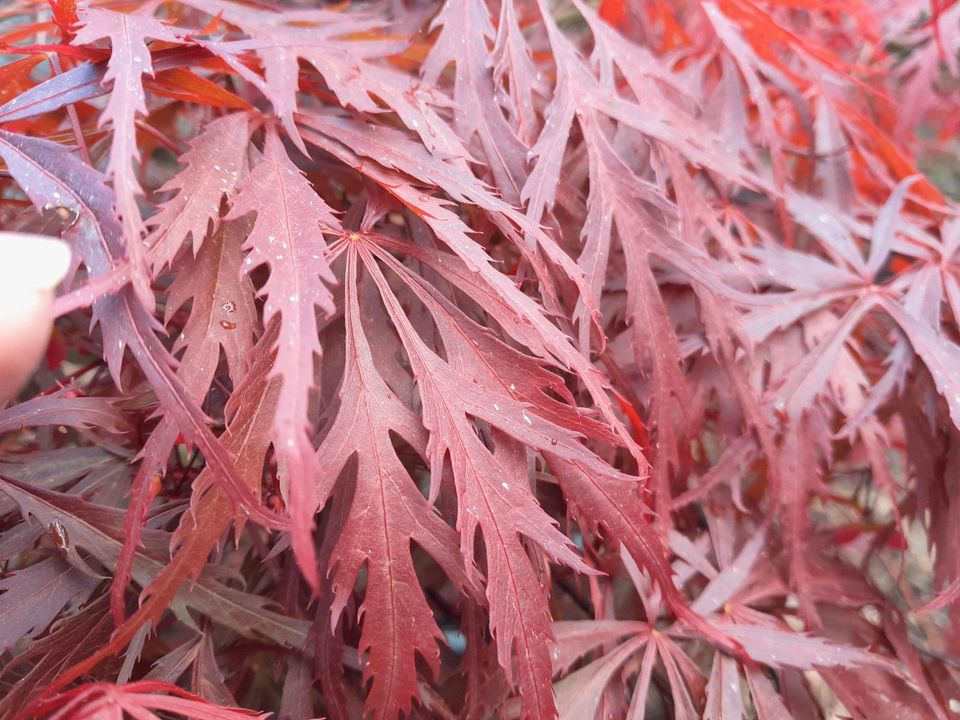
(31,266)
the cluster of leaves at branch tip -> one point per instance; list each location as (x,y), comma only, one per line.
(485,358)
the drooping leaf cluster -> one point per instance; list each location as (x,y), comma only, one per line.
(485,358)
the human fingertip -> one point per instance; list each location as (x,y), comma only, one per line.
(33,262)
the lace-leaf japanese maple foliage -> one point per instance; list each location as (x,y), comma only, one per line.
(485,358)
